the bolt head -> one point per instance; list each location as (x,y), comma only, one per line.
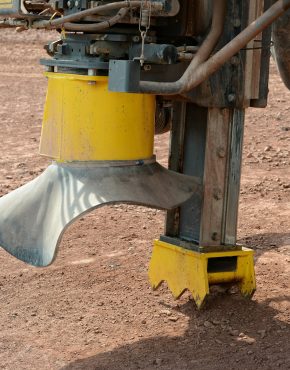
(237,23)
(221,152)
(231,98)
(214,236)
(235,60)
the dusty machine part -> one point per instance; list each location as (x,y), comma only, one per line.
(65,192)
(201,67)
(105,71)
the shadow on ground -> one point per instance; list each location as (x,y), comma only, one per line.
(266,242)
(234,332)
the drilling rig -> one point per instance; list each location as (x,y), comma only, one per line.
(121,72)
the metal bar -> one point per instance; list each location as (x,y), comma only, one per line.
(193,164)
(208,146)
(215,177)
(175,161)
(231,204)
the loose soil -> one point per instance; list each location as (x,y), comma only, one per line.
(93,308)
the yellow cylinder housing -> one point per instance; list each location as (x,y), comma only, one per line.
(83,121)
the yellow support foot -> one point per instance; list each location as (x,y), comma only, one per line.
(184,269)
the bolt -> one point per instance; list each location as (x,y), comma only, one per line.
(231,98)
(217,194)
(76,3)
(237,23)
(147,67)
(221,152)
(235,61)
(215,236)
(136,38)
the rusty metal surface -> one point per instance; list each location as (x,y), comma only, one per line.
(34,217)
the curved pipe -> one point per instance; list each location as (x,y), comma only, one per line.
(198,72)
(54,23)
(99,26)
(219,10)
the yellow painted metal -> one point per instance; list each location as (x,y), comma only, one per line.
(183,269)
(6,4)
(83,121)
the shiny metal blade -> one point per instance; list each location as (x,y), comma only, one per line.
(34,217)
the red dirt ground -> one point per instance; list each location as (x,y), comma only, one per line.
(93,308)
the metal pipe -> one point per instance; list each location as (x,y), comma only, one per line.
(195,76)
(10,22)
(219,10)
(99,26)
(54,23)
(186,48)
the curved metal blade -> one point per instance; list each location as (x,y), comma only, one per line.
(34,216)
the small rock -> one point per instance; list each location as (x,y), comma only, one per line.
(166,312)
(173,318)
(262,333)
(208,324)
(267,148)
(247,339)
(216,322)
(157,361)
(234,333)
(280,363)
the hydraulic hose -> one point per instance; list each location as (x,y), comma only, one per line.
(55,23)
(99,26)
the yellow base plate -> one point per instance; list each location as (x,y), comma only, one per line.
(183,269)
